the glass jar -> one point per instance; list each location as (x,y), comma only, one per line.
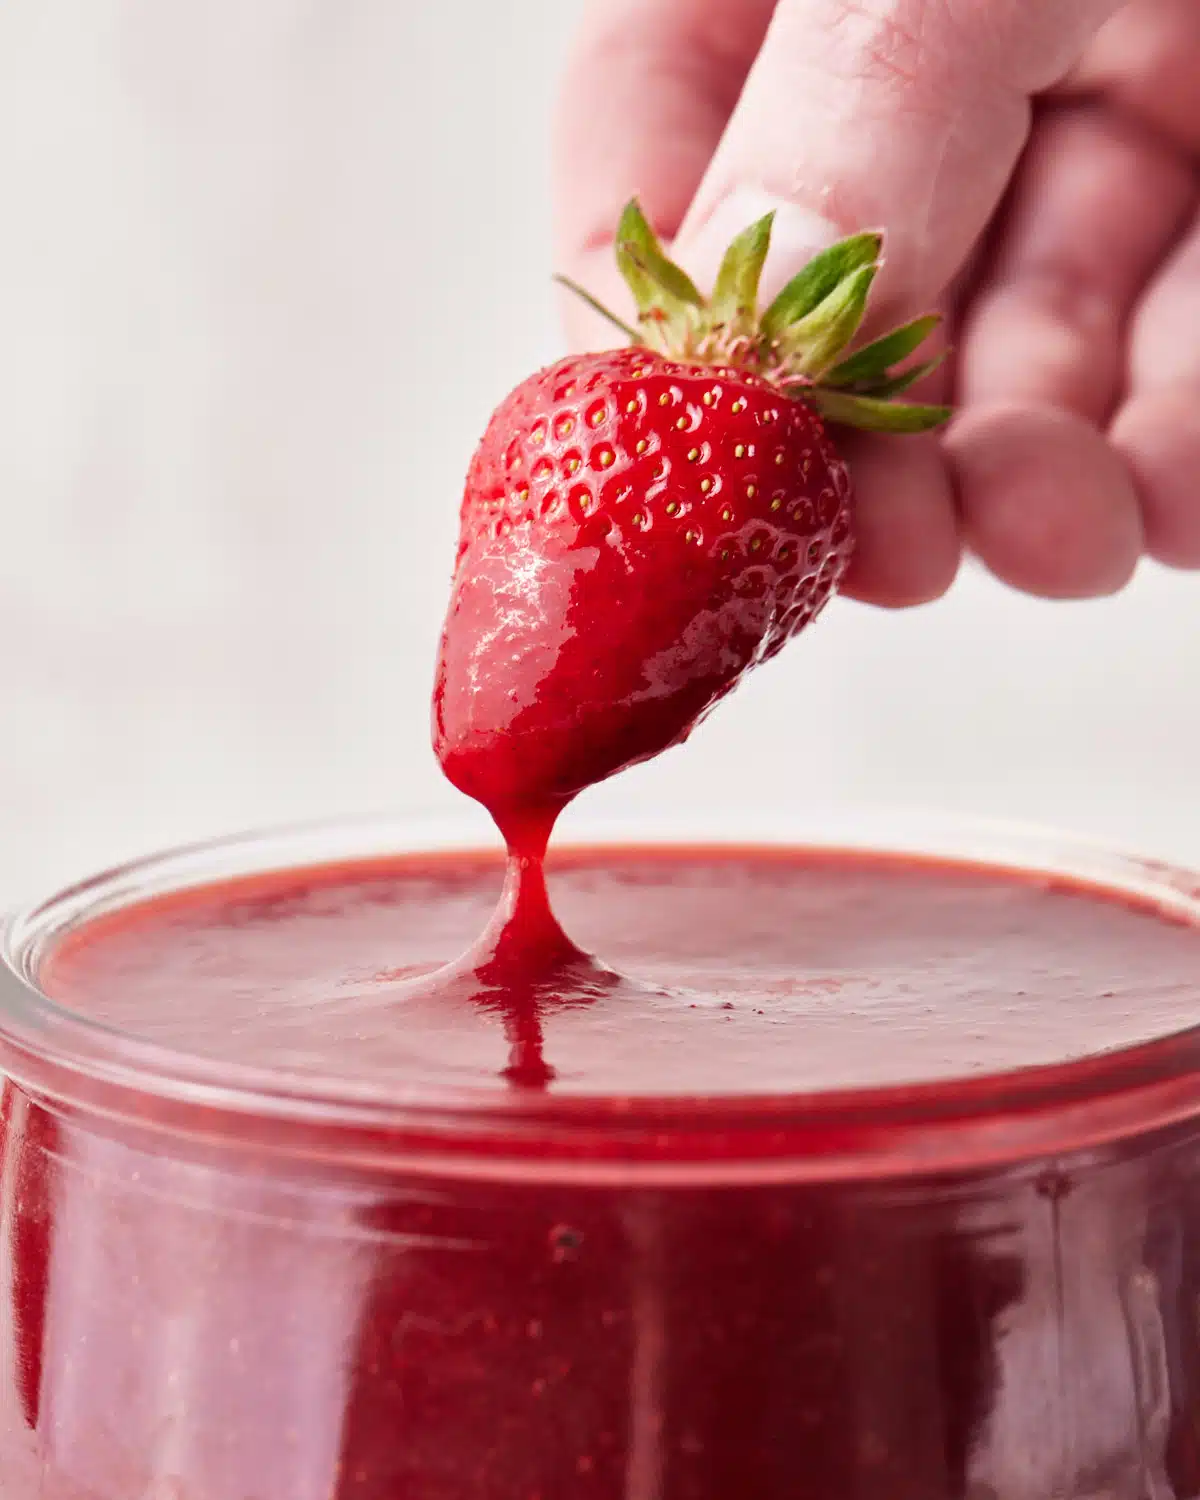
(227,1283)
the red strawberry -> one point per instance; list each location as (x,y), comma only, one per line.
(640,527)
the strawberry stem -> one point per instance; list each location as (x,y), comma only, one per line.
(597,306)
(799,343)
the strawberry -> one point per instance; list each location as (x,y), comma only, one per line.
(642,526)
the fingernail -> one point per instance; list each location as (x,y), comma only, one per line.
(796,236)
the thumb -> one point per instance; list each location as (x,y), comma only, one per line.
(902,115)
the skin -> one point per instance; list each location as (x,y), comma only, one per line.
(1036,168)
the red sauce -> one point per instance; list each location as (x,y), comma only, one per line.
(723,974)
(195,1322)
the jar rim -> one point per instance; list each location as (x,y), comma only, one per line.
(944,1125)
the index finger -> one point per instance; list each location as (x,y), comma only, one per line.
(647,94)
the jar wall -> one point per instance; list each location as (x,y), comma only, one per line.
(189,1322)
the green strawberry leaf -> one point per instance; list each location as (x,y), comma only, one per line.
(819,278)
(633,228)
(800,341)
(635,238)
(872,414)
(895,385)
(669,284)
(735,295)
(875,360)
(668,305)
(812,344)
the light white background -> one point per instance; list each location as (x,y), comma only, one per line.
(264,269)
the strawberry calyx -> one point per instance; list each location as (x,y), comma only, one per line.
(799,342)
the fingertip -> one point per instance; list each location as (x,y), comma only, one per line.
(1158,435)
(797,234)
(1047,504)
(907,544)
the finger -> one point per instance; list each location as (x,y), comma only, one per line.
(646,94)
(1159,437)
(908,115)
(1158,430)
(1147,60)
(1046,503)
(907,545)
(1097,203)
(1164,346)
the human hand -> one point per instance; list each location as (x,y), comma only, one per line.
(1036,169)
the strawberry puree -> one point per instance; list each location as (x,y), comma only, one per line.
(731,973)
(213,1324)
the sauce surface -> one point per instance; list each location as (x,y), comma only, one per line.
(742,972)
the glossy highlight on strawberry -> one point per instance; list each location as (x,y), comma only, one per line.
(642,526)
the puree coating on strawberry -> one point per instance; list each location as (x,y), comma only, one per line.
(642,526)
